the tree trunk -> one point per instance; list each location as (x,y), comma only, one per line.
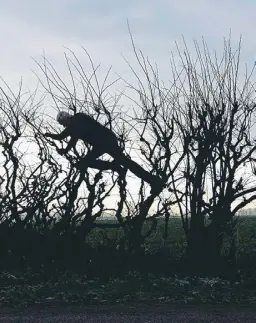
(135,238)
(204,247)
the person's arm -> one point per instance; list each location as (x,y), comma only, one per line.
(58,136)
(70,145)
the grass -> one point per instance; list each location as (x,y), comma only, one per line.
(134,287)
(176,241)
(30,287)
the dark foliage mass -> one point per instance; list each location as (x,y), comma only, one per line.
(195,135)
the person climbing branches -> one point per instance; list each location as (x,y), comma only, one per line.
(103,140)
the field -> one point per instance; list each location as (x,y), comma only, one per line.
(40,287)
(175,242)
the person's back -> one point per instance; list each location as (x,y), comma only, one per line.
(89,130)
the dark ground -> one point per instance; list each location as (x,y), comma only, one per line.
(131,314)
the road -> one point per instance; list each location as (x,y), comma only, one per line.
(130,314)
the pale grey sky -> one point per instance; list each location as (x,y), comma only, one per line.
(30,27)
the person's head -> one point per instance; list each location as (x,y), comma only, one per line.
(64,118)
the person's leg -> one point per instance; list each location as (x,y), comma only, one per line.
(89,159)
(154,181)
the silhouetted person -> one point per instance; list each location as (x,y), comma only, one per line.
(102,139)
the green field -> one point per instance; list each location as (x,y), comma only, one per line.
(176,241)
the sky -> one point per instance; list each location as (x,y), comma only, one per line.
(30,28)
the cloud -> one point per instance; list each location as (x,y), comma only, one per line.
(29,26)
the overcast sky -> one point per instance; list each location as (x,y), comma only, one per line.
(28,27)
